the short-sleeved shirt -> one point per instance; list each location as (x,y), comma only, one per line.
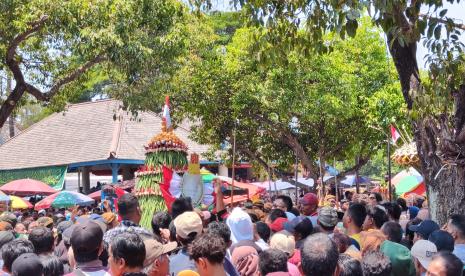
(459,251)
(180,262)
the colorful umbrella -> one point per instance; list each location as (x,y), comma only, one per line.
(19,203)
(64,199)
(98,194)
(27,187)
(407,181)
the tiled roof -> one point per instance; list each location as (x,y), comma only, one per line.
(86,132)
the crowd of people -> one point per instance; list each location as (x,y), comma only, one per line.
(361,235)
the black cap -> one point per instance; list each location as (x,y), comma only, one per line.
(425,228)
(443,240)
(27,264)
(6,237)
(86,238)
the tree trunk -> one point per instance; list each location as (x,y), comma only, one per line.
(11,120)
(10,103)
(445,181)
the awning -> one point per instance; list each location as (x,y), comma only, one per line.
(53,176)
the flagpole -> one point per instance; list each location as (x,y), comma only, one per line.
(389,168)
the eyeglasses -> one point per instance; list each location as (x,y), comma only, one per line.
(372,197)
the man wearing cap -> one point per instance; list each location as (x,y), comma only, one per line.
(423,230)
(87,245)
(129,210)
(327,220)
(188,226)
(308,206)
(423,252)
(301,227)
(401,258)
(156,260)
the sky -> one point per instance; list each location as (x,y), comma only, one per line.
(455,11)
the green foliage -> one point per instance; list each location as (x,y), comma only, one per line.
(339,98)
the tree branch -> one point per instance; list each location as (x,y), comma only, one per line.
(262,162)
(444,21)
(361,162)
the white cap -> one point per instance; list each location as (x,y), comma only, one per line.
(284,241)
(424,251)
(240,224)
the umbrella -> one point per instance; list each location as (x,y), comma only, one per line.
(98,194)
(406,173)
(64,199)
(19,203)
(350,180)
(27,187)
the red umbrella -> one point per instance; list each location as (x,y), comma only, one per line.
(27,187)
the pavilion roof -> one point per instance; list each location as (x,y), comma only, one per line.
(87,132)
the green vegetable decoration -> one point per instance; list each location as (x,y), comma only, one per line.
(165,149)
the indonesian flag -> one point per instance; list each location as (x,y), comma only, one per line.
(166,112)
(394,134)
(171,186)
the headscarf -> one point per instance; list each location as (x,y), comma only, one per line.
(245,259)
(240,224)
(327,198)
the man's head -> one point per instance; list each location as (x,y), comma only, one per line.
(272,260)
(393,209)
(128,207)
(443,240)
(355,216)
(27,264)
(208,252)
(375,199)
(221,230)
(160,220)
(181,205)
(42,239)
(5,237)
(423,252)
(188,226)
(445,264)
(375,263)
(393,231)
(327,219)
(86,241)
(274,214)
(300,226)
(456,227)
(348,266)
(13,249)
(424,229)
(308,204)
(376,217)
(126,253)
(263,230)
(156,260)
(319,255)
(283,202)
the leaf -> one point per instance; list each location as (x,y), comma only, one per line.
(443,12)
(351,27)
(437,32)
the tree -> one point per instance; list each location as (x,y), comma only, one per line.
(437,108)
(333,97)
(52,46)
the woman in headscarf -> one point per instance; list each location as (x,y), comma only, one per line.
(245,259)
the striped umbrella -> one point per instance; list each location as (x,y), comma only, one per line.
(64,199)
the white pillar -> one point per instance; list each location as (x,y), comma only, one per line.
(222,170)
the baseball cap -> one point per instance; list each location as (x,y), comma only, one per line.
(284,241)
(424,251)
(187,223)
(86,237)
(327,217)
(425,228)
(278,224)
(9,217)
(154,249)
(5,226)
(6,237)
(297,224)
(401,259)
(309,199)
(27,264)
(45,221)
(108,217)
(443,240)
(62,226)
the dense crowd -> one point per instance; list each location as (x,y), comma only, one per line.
(359,235)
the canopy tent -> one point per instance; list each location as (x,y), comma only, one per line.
(349,180)
(27,187)
(409,181)
(252,189)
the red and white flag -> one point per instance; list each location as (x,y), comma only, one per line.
(394,134)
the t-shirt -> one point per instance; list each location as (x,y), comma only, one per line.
(293,270)
(459,251)
(356,237)
(180,262)
(93,268)
(313,219)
